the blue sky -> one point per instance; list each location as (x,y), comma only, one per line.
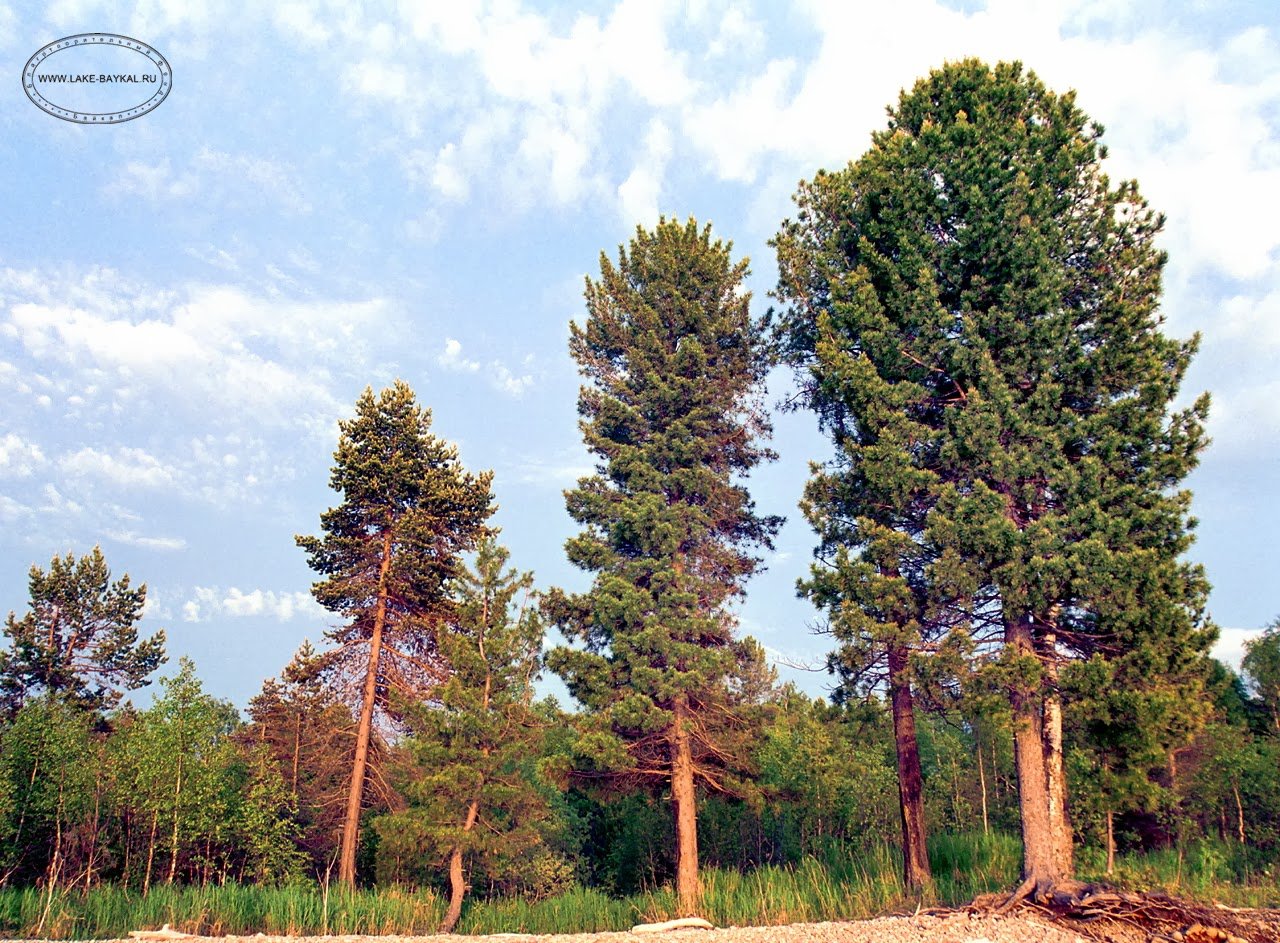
(336,194)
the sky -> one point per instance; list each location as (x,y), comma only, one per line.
(335,195)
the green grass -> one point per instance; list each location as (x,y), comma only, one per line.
(111,912)
(844,885)
(1202,870)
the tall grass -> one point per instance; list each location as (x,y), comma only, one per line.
(842,885)
(1205,870)
(111,912)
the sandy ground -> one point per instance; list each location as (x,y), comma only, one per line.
(953,928)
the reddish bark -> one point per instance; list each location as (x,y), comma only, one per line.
(355,796)
(915,853)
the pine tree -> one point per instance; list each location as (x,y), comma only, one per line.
(675,367)
(469,790)
(80,637)
(978,269)
(409,511)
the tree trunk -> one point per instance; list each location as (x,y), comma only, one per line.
(355,796)
(1111,841)
(688,893)
(982,784)
(177,812)
(1042,866)
(1056,776)
(915,853)
(151,852)
(457,880)
(1240,834)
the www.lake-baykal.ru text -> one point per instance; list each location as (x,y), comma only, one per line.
(100,78)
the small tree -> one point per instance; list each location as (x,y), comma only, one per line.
(470,795)
(48,767)
(80,637)
(409,511)
(177,779)
(1261,665)
(268,832)
(675,366)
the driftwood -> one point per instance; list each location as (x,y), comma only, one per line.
(164,933)
(1105,913)
(680,923)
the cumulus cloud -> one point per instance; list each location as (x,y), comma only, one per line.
(1229,649)
(128,467)
(501,377)
(216,346)
(18,458)
(639,194)
(208,603)
(12,510)
(451,358)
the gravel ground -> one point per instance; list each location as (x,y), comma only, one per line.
(953,928)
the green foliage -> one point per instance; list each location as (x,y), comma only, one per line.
(269,833)
(48,778)
(1261,665)
(976,306)
(179,781)
(79,639)
(469,769)
(826,778)
(974,312)
(675,367)
(307,731)
(406,502)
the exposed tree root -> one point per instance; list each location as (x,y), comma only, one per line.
(1104,913)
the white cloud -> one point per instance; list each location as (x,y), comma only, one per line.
(451,358)
(134,539)
(12,511)
(208,603)
(19,459)
(212,175)
(57,503)
(503,380)
(559,471)
(128,467)
(214,348)
(501,377)
(639,194)
(299,19)
(153,182)
(1229,649)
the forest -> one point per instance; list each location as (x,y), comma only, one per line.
(1024,695)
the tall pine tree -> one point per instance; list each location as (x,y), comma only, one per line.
(978,268)
(675,366)
(409,511)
